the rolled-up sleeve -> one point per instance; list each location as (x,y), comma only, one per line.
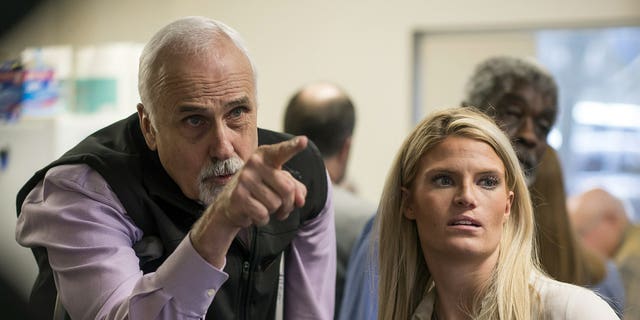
(89,239)
(311,267)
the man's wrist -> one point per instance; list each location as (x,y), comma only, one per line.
(211,237)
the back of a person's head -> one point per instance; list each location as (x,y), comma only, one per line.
(600,219)
(593,204)
(495,76)
(324,113)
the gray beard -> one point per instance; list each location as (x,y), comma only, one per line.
(209,192)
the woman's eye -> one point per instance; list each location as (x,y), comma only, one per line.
(442,181)
(489,182)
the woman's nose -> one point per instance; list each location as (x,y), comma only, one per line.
(465,197)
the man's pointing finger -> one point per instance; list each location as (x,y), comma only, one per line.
(277,154)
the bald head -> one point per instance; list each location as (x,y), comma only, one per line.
(599,218)
(319,94)
(324,113)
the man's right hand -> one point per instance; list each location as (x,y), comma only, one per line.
(260,190)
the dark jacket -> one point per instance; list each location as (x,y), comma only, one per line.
(158,207)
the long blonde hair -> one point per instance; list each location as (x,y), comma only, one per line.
(404,277)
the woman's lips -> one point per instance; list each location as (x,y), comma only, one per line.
(464,221)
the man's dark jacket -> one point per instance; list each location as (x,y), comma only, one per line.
(158,207)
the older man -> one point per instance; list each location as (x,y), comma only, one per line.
(523,100)
(177,212)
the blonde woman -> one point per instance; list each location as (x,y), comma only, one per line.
(456,231)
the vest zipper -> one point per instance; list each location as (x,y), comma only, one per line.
(247,276)
(245,270)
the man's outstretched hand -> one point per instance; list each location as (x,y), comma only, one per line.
(260,190)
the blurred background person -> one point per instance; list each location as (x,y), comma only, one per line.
(324,113)
(456,231)
(602,223)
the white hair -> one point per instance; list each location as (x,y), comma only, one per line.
(186,36)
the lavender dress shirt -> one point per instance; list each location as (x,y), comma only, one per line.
(89,237)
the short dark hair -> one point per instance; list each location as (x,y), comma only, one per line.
(327,123)
(497,75)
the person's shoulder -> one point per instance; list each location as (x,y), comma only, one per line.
(633,236)
(80,175)
(350,197)
(79,179)
(70,171)
(266,136)
(351,203)
(562,300)
(551,289)
(628,254)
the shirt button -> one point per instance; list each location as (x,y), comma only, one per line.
(211,292)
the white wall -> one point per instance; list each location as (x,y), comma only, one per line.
(365,45)
(443,83)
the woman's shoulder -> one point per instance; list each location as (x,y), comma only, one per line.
(425,308)
(567,301)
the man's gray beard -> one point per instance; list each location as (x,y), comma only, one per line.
(209,193)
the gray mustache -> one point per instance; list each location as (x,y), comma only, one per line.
(222,168)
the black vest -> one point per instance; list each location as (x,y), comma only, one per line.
(158,207)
